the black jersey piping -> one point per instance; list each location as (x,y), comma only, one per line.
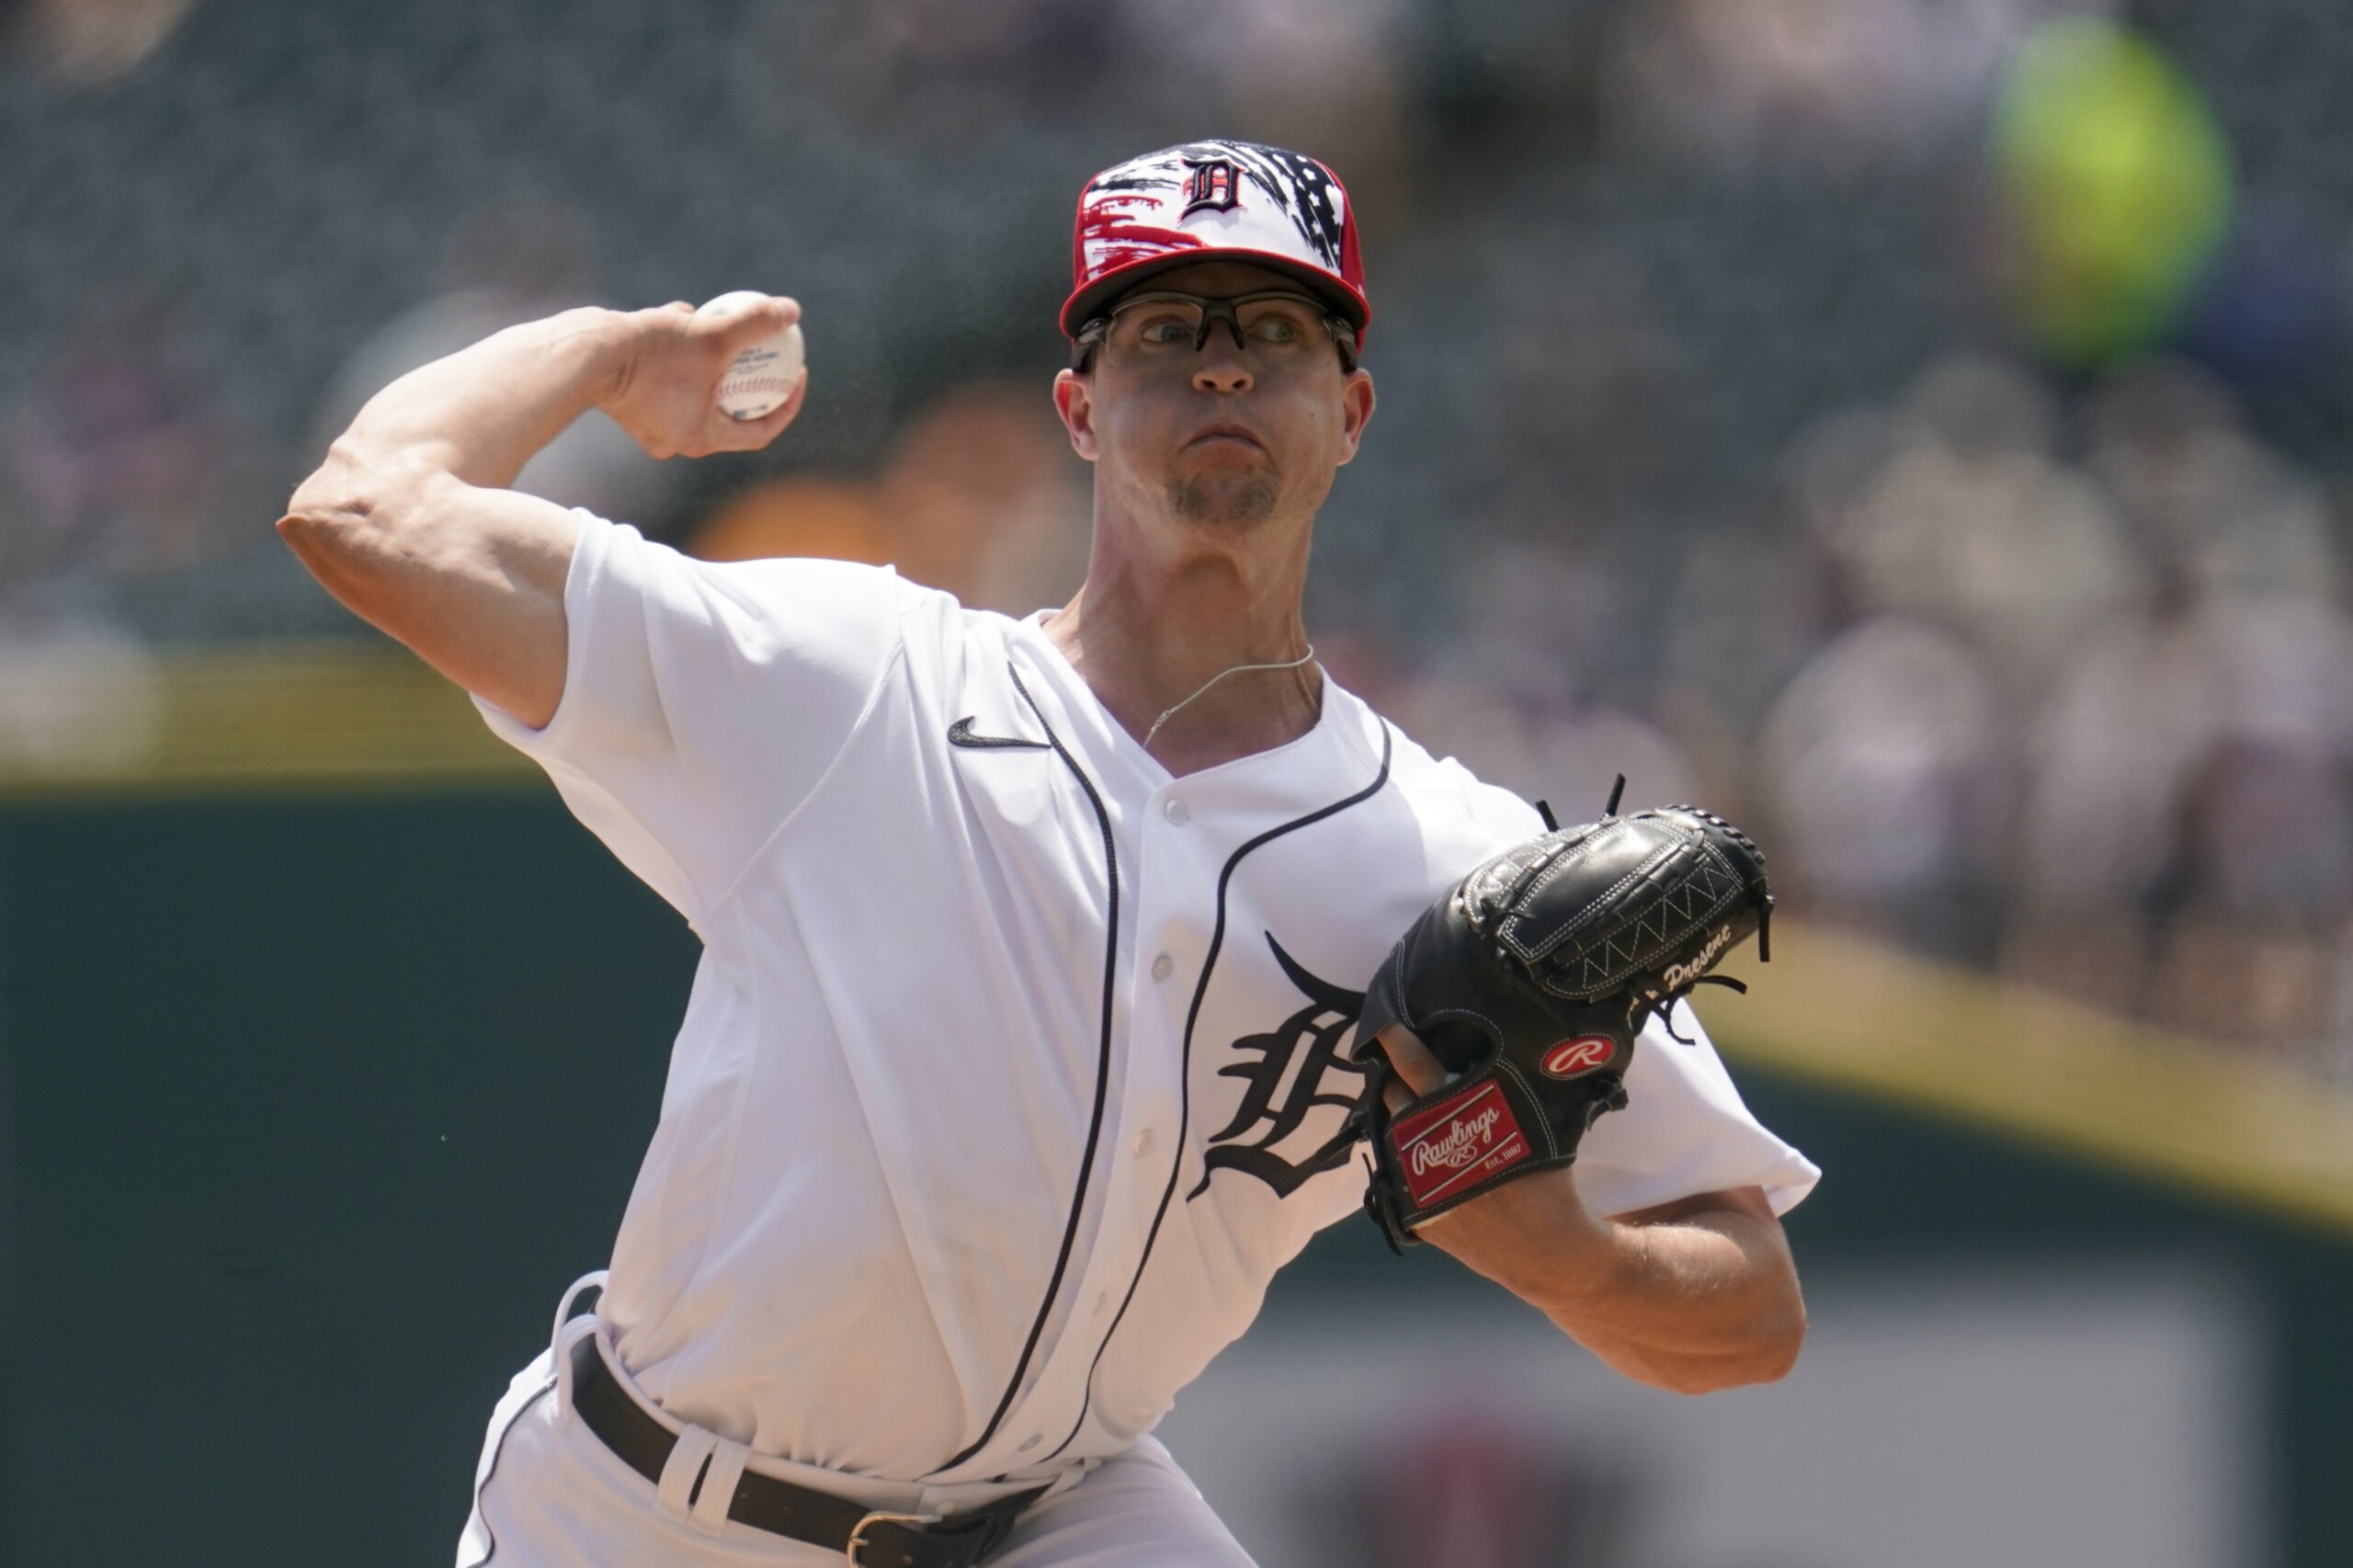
(1102,1081)
(1185,1061)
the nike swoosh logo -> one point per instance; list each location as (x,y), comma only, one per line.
(959,733)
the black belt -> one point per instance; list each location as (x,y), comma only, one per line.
(869,1537)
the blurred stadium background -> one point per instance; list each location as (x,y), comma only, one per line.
(1921,429)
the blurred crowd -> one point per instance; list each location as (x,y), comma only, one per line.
(1917,427)
(2060,687)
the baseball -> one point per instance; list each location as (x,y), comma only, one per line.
(762,376)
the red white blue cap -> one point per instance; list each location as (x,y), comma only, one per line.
(1214,201)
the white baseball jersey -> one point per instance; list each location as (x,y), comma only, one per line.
(996,1100)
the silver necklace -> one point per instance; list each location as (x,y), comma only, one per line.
(1238,669)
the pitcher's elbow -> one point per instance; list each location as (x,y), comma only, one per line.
(309,530)
(1779,1346)
(1780,1360)
(357,506)
(328,537)
(1767,1353)
(354,522)
(341,494)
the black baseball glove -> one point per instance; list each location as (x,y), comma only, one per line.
(1528,981)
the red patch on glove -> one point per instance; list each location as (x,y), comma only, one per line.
(1456,1142)
(1575,1058)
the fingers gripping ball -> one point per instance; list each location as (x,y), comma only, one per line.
(1528,981)
(762,376)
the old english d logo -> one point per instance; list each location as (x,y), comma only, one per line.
(1282,1072)
(1575,1058)
(1210,183)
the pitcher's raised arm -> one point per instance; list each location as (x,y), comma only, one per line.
(410,520)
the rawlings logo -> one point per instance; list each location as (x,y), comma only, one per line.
(1575,1058)
(1679,975)
(1463,1143)
(1474,1135)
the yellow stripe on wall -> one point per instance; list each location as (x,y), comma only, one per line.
(109,722)
(1852,1015)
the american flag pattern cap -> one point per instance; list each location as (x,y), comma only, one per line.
(1214,201)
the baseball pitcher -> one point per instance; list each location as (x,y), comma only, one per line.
(1062,976)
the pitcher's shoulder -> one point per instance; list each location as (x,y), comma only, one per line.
(1444,795)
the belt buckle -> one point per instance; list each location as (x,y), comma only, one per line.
(858,1541)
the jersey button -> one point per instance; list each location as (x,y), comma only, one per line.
(1176,812)
(1162,967)
(1143,1143)
(1028,1444)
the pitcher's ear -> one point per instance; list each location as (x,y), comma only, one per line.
(1356,408)
(1075,401)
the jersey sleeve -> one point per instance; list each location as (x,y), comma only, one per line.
(1684,1130)
(703,702)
